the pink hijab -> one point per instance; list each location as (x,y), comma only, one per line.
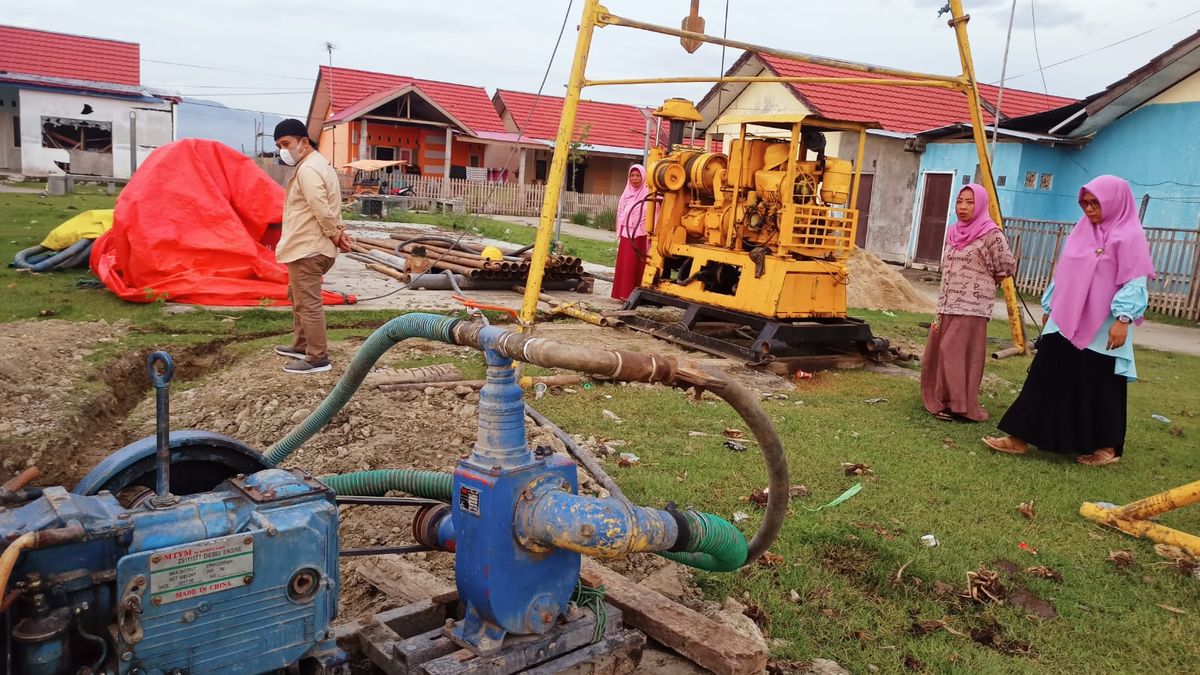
(962,233)
(631,220)
(1097,260)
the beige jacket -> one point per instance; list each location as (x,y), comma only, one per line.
(312,211)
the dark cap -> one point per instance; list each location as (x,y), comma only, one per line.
(291,127)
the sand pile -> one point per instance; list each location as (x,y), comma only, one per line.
(876,285)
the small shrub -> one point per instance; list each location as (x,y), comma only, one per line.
(580,218)
(606,220)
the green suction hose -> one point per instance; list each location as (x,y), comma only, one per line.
(430,326)
(715,544)
(427,484)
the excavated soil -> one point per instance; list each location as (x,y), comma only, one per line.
(875,284)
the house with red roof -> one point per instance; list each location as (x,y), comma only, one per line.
(902,207)
(439,129)
(609,137)
(75,104)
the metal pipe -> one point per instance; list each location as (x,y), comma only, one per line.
(558,165)
(724,79)
(609,19)
(602,528)
(21,480)
(979,134)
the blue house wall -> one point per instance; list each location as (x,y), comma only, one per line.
(1156,148)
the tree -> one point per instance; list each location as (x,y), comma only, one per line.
(577,153)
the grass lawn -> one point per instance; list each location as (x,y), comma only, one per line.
(930,477)
(842,562)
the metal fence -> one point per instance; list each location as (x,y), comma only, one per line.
(1176,253)
(510,199)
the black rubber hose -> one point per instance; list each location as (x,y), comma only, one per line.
(582,456)
(747,406)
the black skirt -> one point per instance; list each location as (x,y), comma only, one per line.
(1071,403)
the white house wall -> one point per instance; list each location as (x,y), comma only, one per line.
(155,127)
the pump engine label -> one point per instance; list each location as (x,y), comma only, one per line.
(201,568)
(468,500)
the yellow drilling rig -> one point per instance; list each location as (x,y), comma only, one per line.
(753,243)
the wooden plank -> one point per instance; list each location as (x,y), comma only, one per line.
(690,633)
(400,579)
(616,655)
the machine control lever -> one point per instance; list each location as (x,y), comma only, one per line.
(162,392)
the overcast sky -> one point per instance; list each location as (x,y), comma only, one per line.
(507,43)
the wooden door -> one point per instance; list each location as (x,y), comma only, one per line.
(935,204)
(865,183)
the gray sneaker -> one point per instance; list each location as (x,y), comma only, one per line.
(284,350)
(302,367)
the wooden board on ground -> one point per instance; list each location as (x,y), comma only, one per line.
(400,579)
(690,633)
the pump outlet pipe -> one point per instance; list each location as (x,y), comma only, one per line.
(706,535)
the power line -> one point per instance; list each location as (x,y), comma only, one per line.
(1109,45)
(227,70)
(225,107)
(1037,52)
(247,93)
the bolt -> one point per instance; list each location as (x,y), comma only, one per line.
(189,617)
(527,495)
(272,531)
(248,540)
(328,635)
(122,516)
(127,656)
(155,558)
(547,617)
(449,623)
(139,580)
(156,601)
(587,530)
(204,607)
(248,578)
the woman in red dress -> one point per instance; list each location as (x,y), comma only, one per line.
(631,234)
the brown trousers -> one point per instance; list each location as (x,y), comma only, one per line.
(308,311)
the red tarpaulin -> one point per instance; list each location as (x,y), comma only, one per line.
(192,227)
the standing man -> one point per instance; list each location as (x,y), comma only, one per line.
(312,236)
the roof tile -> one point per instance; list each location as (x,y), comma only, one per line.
(608,124)
(36,52)
(901,109)
(467,103)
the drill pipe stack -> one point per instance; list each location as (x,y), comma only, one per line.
(463,260)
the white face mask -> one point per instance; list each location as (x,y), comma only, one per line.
(287,157)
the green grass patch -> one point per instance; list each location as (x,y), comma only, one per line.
(930,477)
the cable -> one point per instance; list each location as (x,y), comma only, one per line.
(255,93)
(1037,52)
(724,36)
(511,153)
(1000,92)
(1107,46)
(226,70)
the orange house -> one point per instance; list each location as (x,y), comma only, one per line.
(436,128)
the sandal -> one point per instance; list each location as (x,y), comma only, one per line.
(944,416)
(1005,445)
(1097,459)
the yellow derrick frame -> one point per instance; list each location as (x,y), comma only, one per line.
(1133,518)
(596,15)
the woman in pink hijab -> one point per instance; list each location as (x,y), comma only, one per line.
(975,259)
(631,234)
(1073,401)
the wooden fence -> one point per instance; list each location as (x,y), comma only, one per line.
(1176,253)
(510,199)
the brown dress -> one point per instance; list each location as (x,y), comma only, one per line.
(952,367)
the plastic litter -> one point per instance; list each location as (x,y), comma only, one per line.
(734,445)
(610,415)
(875,400)
(930,541)
(1160,418)
(628,459)
(539,390)
(740,516)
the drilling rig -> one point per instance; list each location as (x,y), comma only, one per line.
(753,243)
